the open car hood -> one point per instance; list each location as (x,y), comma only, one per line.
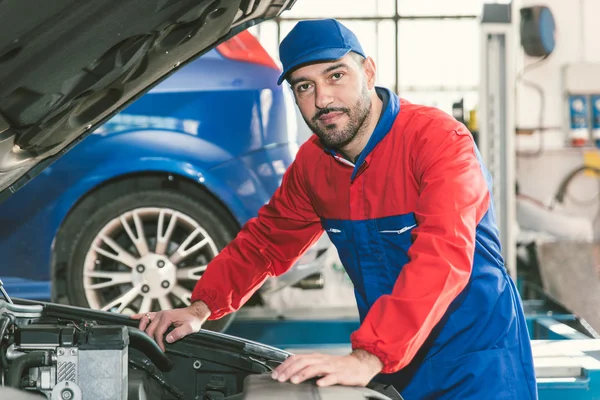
(66,66)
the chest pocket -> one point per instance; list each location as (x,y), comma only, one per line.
(395,237)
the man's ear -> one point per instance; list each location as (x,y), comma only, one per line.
(370,72)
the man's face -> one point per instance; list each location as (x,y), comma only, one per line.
(333,98)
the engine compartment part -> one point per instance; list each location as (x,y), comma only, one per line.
(3,292)
(139,340)
(143,387)
(263,387)
(63,362)
(14,394)
(68,353)
(25,362)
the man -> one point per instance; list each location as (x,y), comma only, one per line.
(401,191)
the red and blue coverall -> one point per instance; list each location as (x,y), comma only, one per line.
(413,223)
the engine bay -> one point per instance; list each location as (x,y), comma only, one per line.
(58,352)
(66,353)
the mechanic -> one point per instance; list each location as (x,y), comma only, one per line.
(402,192)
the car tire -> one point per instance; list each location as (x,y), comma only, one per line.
(80,236)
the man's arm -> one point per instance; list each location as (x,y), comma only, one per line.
(267,245)
(453,197)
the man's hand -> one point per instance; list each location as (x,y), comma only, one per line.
(356,369)
(186,321)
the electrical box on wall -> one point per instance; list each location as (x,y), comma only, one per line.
(578,119)
(595,106)
(581,87)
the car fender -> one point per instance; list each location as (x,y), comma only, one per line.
(101,159)
(146,152)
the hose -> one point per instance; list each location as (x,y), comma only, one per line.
(151,371)
(561,193)
(24,363)
(144,343)
(562,189)
(5,321)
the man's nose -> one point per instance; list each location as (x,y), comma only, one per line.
(323,98)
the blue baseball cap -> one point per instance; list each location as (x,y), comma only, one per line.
(316,41)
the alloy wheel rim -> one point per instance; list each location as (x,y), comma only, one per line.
(146,259)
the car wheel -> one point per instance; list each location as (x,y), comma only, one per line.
(142,251)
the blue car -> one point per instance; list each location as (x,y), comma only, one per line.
(128,219)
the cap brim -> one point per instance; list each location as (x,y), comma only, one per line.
(321,55)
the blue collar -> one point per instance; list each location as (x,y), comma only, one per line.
(386,120)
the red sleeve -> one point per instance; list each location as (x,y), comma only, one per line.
(267,245)
(453,197)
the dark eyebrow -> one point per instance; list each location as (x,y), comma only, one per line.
(336,66)
(326,70)
(296,80)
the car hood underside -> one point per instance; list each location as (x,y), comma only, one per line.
(66,66)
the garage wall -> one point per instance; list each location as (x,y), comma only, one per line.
(425,50)
(546,157)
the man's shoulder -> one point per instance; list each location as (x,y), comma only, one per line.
(428,130)
(422,116)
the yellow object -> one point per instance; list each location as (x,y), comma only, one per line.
(592,159)
(472,125)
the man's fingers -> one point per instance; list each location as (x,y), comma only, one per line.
(295,357)
(330,370)
(310,372)
(290,361)
(297,364)
(179,333)
(329,380)
(283,366)
(289,367)
(159,334)
(154,324)
(144,322)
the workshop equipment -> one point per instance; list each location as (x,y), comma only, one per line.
(496,120)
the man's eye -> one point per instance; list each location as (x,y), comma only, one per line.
(302,88)
(337,75)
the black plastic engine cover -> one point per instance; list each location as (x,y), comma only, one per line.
(46,336)
(142,387)
(85,337)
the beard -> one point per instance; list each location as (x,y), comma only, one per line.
(334,136)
